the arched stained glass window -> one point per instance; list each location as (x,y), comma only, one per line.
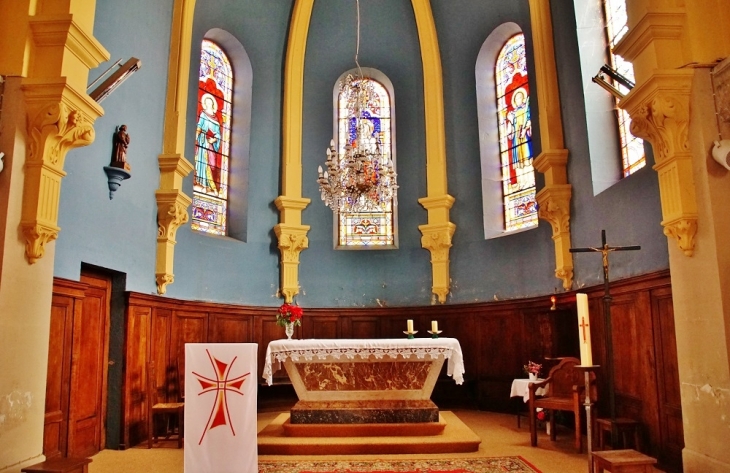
(212,141)
(373,229)
(515,135)
(632,148)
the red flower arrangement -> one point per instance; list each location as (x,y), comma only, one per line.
(289,314)
(532,367)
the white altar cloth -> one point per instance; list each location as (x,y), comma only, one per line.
(449,348)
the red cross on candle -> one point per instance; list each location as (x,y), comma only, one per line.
(583,326)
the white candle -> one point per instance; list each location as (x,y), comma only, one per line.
(434,326)
(410,325)
(584,330)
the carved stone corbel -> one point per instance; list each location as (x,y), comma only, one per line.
(659,110)
(554,207)
(172,212)
(53,130)
(436,238)
(292,240)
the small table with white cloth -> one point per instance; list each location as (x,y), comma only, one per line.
(521,388)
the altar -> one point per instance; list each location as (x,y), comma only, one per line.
(386,381)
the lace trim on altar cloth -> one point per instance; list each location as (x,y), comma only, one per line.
(455,367)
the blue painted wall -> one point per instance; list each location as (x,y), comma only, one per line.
(120,234)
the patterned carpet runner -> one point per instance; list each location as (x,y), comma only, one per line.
(460,465)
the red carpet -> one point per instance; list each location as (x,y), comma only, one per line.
(460,465)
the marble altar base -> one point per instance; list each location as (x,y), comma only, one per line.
(364,412)
(456,437)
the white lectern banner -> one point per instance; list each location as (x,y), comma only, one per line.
(220,408)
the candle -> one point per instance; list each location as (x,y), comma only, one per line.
(434,326)
(410,325)
(584,330)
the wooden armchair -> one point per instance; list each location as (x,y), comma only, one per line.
(161,409)
(565,392)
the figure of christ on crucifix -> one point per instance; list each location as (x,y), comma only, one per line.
(605,249)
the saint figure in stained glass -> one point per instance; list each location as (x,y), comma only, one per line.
(515,135)
(372,228)
(212,140)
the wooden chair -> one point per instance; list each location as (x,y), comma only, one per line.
(161,409)
(565,386)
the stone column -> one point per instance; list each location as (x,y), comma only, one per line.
(674,51)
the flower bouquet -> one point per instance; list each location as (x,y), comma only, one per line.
(289,314)
(532,369)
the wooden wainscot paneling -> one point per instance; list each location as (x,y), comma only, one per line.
(230,328)
(646,380)
(497,339)
(671,431)
(137,344)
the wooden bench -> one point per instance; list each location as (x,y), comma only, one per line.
(60,465)
(622,461)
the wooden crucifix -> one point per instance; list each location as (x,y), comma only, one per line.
(604,249)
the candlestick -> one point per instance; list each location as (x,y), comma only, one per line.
(409,324)
(584,330)
(434,326)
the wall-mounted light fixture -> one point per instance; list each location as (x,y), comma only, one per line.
(553,301)
(114,80)
(613,74)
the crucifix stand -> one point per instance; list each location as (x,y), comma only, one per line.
(604,249)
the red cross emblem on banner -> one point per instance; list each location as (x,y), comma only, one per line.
(221,385)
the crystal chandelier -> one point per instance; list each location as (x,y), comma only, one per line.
(359,176)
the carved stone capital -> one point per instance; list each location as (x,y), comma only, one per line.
(553,205)
(436,238)
(163,279)
(53,130)
(684,231)
(172,212)
(36,236)
(663,121)
(659,110)
(292,240)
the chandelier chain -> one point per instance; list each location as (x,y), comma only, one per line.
(359,177)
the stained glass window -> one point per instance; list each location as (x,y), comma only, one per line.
(632,148)
(367,229)
(212,141)
(515,136)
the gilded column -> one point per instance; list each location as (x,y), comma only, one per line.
(172,202)
(290,232)
(437,233)
(553,200)
(61,115)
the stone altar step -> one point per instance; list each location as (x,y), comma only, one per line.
(364,412)
(363,430)
(455,438)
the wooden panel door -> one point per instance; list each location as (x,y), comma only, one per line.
(58,378)
(87,408)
